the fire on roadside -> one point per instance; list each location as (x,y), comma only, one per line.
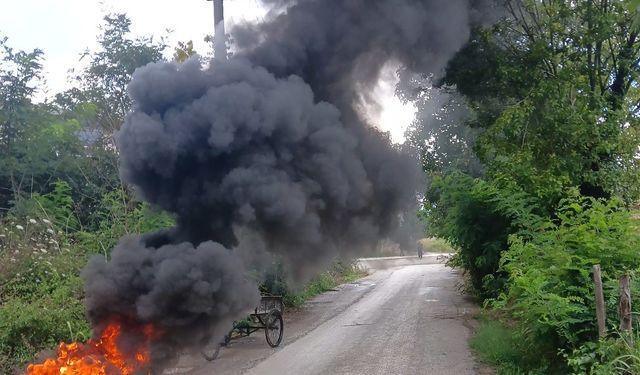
(104,355)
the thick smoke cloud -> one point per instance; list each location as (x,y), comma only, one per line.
(190,293)
(338,47)
(236,146)
(269,143)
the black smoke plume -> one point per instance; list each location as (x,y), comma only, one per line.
(268,143)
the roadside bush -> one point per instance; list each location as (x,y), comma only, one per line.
(119,215)
(610,356)
(476,217)
(41,295)
(52,314)
(550,291)
(40,290)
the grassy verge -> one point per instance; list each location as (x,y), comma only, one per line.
(339,273)
(40,291)
(506,350)
(501,347)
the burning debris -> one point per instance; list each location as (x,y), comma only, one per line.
(190,293)
(268,143)
(103,355)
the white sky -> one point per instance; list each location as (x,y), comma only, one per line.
(63,29)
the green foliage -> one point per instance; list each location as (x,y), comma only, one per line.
(119,215)
(57,206)
(553,90)
(276,283)
(40,290)
(27,327)
(476,217)
(40,286)
(184,51)
(505,349)
(23,244)
(60,195)
(550,290)
(526,145)
(610,356)
(495,343)
(104,82)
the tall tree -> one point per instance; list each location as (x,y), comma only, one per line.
(553,89)
(20,73)
(555,85)
(100,102)
(104,82)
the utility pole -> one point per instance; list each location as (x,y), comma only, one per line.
(219,38)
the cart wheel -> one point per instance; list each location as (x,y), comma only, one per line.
(210,352)
(273,328)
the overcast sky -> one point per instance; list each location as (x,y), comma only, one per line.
(63,29)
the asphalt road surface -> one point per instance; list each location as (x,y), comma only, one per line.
(405,318)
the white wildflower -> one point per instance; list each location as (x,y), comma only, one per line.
(33,221)
(50,231)
(19,227)
(46,221)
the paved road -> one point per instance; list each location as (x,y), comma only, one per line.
(412,322)
(403,320)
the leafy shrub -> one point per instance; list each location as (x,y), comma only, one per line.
(610,356)
(29,325)
(550,289)
(40,290)
(120,215)
(58,207)
(25,241)
(476,218)
(41,298)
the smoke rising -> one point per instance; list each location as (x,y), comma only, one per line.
(192,293)
(268,143)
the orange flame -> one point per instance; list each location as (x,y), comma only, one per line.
(100,356)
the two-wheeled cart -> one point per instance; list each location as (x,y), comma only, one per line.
(267,316)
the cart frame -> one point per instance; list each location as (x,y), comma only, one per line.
(266,316)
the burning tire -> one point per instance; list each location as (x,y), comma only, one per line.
(210,352)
